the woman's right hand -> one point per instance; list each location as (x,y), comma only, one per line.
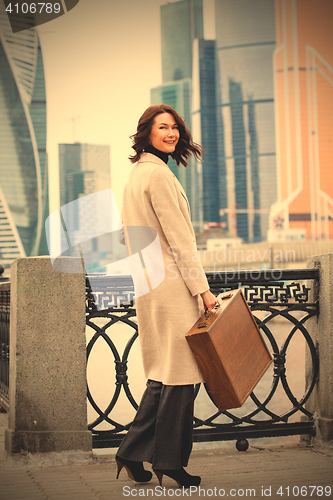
(209,300)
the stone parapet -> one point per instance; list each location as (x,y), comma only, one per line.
(321,400)
(47,381)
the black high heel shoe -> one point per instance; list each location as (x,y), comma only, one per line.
(135,470)
(181,477)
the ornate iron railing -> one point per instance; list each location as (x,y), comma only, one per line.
(4,344)
(272,295)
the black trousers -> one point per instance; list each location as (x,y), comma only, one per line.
(162,430)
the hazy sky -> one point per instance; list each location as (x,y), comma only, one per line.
(101,59)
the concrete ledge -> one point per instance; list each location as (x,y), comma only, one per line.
(324,430)
(320,402)
(53,459)
(47,441)
(47,379)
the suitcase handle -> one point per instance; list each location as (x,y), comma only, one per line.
(209,314)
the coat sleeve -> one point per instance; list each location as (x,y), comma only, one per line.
(178,231)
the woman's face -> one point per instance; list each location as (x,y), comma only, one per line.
(164,133)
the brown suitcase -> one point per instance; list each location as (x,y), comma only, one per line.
(229,350)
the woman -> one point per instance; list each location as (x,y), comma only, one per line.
(161,432)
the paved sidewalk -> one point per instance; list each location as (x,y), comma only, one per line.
(272,471)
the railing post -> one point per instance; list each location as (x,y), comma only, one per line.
(320,328)
(47,380)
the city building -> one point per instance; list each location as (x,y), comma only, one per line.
(23,158)
(181,23)
(188,72)
(84,169)
(245,42)
(204,130)
(303,72)
(177,95)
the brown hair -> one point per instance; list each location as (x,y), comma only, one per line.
(185,146)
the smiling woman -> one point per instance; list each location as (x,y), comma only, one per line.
(164,133)
(159,126)
(161,432)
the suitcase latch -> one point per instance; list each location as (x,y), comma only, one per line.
(202,325)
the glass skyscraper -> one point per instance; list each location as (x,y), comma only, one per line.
(181,23)
(204,129)
(303,72)
(177,95)
(84,169)
(245,42)
(188,70)
(23,158)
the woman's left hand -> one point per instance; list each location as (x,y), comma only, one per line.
(209,300)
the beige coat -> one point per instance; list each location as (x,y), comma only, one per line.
(167,309)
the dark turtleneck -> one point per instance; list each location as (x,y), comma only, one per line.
(157,152)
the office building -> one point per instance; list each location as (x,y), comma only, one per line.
(245,42)
(181,23)
(23,159)
(204,129)
(84,169)
(188,70)
(177,95)
(303,72)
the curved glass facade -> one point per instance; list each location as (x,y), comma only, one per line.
(245,41)
(303,72)
(177,95)
(204,126)
(181,23)
(23,165)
